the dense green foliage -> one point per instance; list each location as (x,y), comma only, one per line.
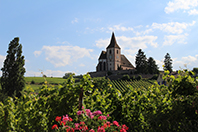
(141,106)
(12,80)
(168,63)
(152,66)
(67,75)
(141,62)
(144,65)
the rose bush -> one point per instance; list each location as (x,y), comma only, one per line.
(88,122)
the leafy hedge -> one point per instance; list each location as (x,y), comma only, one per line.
(156,108)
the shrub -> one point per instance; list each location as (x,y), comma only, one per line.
(109,73)
(139,77)
(133,78)
(125,77)
(68,74)
(88,121)
(154,77)
(32,82)
(44,76)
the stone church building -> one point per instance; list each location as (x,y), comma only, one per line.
(112,59)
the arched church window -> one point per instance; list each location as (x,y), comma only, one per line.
(117,51)
(109,51)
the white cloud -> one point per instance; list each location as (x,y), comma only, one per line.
(2,58)
(189,59)
(193,12)
(130,45)
(171,39)
(140,41)
(64,55)
(37,53)
(120,28)
(172,27)
(187,62)
(143,32)
(159,64)
(74,21)
(102,43)
(180,4)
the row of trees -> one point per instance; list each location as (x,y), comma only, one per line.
(144,65)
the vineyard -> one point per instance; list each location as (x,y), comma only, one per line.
(143,105)
(123,85)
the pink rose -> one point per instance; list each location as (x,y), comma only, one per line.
(79,112)
(116,123)
(91,130)
(98,112)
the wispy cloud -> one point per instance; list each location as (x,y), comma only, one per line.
(74,21)
(171,39)
(193,12)
(187,61)
(120,28)
(37,53)
(172,27)
(180,5)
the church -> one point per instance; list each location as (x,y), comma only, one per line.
(112,59)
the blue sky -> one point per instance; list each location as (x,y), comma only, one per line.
(60,36)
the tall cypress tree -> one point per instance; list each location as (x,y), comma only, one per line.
(152,66)
(168,63)
(141,62)
(12,80)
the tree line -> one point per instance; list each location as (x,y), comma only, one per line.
(149,66)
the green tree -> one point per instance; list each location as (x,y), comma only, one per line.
(195,70)
(12,80)
(141,62)
(152,67)
(67,75)
(168,63)
(119,67)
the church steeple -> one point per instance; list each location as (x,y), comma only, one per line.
(113,43)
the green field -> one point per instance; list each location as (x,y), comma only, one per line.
(39,81)
(36,83)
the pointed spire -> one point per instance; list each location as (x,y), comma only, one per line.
(113,43)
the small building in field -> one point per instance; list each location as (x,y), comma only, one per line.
(112,59)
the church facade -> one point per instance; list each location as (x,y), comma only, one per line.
(112,59)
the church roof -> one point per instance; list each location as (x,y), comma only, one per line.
(125,62)
(103,55)
(113,43)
